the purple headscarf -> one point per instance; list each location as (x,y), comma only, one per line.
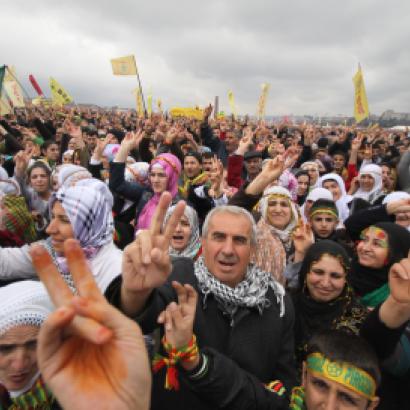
(172,167)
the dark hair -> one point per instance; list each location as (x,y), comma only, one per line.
(302,172)
(339,152)
(339,346)
(195,155)
(316,252)
(39,164)
(208,155)
(47,144)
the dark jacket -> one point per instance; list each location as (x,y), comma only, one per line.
(258,348)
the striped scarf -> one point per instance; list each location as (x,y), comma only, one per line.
(39,397)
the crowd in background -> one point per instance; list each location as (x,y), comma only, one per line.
(246,250)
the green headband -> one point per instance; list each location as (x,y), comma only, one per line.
(344,373)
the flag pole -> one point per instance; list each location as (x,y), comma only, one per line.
(140,88)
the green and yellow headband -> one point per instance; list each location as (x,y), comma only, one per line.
(328,211)
(343,373)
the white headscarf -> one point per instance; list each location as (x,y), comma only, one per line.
(69,174)
(342,202)
(23,303)
(376,173)
(194,243)
(314,195)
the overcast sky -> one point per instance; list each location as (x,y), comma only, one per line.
(188,51)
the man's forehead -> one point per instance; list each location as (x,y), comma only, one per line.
(229,222)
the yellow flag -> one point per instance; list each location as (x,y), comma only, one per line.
(262,101)
(231,101)
(124,65)
(59,95)
(361,106)
(139,104)
(189,112)
(149,103)
(14,93)
(159,105)
(5,107)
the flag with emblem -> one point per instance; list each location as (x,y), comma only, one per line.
(124,65)
(361,106)
(58,94)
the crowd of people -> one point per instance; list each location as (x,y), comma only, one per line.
(180,263)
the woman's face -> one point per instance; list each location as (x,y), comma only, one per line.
(59,227)
(39,180)
(18,358)
(313,174)
(68,159)
(158,179)
(326,279)
(334,188)
(303,185)
(366,182)
(279,212)
(373,248)
(181,235)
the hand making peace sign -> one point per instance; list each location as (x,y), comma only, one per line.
(89,354)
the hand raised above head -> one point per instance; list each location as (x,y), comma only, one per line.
(146,261)
(89,354)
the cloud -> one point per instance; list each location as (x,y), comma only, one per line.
(189,51)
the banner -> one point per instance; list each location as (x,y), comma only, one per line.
(124,65)
(232,103)
(262,101)
(5,107)
(189,112)
(58,94)
(361,106)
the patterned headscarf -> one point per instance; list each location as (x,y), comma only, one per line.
(194,243)
(285,234)
(69,174)
(172,167)
(16,218)
(88,206)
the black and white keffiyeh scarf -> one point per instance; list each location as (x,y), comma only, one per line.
(251,292)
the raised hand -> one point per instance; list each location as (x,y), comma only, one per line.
(302,240)
(89,354)
(178,319)
(216,177)
(273,168)
(146,262)
(208,111)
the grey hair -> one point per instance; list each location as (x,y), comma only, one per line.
(231,209)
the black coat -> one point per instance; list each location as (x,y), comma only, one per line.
(258,348)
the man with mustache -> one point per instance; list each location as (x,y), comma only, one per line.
(241,313)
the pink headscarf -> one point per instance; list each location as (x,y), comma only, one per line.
(172,167)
